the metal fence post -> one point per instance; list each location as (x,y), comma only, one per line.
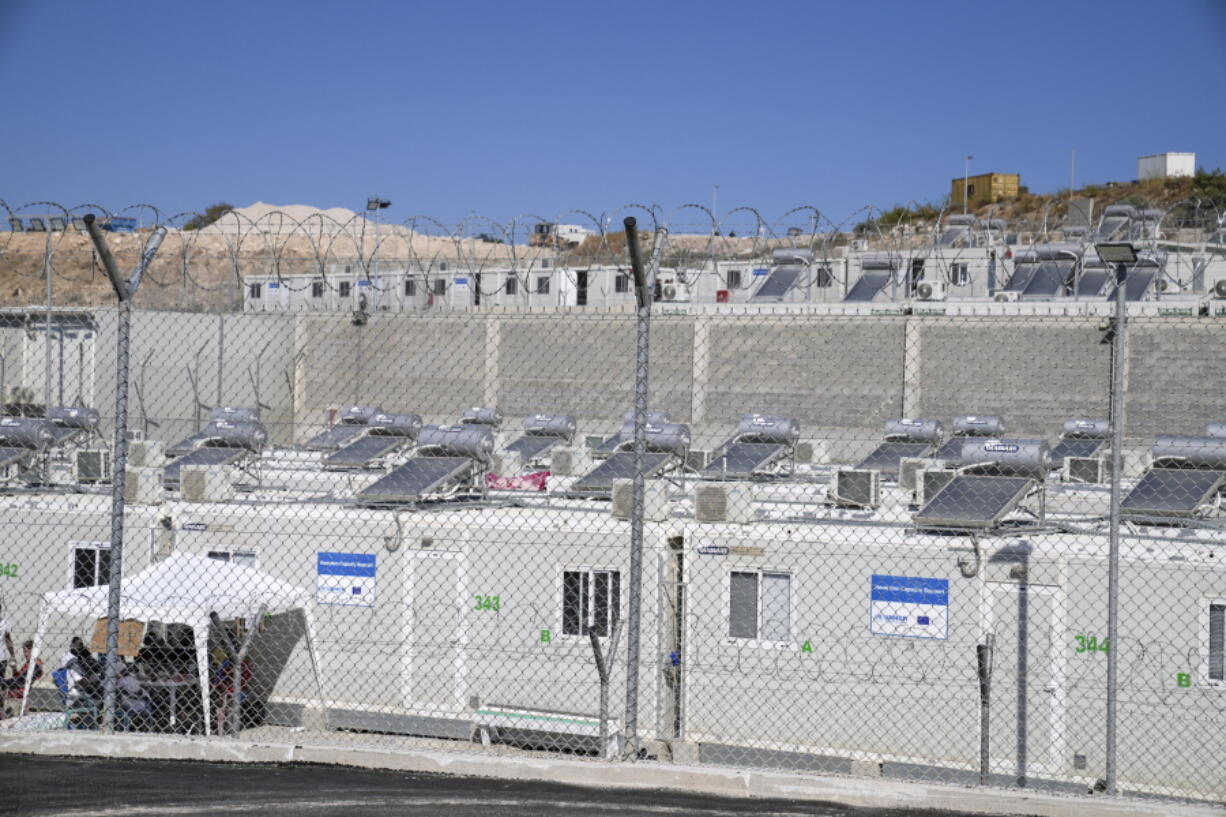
(642,357)
(124,290)
(1113,569)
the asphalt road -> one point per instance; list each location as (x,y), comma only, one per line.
(81,787)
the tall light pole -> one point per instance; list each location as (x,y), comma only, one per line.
(966,184)
(715,207)
(375,204)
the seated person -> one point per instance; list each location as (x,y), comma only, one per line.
(133,702)
(83,674)
(15,687)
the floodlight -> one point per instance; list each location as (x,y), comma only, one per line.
(376,203)
(1117,252)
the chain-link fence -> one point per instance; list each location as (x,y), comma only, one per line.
(902,536)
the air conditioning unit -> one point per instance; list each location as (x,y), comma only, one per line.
(724,502)
(146,453)
(930,481)
(930,291)
(93,466)
(1165,286)
(206,483)
(909,469)
(1219,289)
(570,462)
(855,488)
(506,463)
(655,499)
(134,434)
(697,458)
(1007,296)
(1092,470)
(143,486)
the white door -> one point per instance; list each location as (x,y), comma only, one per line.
(434,677)
(1026,718)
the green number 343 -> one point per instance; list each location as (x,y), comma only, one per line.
(488,603)
(1090,643)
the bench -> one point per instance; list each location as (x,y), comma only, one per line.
(490,718)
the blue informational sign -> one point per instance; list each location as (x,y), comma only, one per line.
(461,282)
(345,579)
(274,285)
(760,271)
(909,606)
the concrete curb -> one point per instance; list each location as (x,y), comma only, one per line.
(865,793)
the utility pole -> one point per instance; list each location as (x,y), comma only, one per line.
(966,184)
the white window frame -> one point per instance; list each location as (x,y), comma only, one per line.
(410,288)
(559,630)
(542,285)
(318,289)
(960,273)
(231,551)
(344,288)
(1205,603)
(759,643)
(255,291)
(95,546)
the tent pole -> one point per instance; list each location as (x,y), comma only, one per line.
(43,616)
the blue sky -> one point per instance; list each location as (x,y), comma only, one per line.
(508,108)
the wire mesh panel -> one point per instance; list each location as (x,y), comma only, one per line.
(877,502)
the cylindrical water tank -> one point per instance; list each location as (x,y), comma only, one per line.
(1216,429)
(1078,429)
(978,425)
(25,432)
(550,425)
(1012,457)
(670,438)
(235,413)
(768,428)
(359,415)
(74,417)
(474,441)
(236,434)
(395,425)
(920,431)
(481,416)
(653,416)
(1194,452)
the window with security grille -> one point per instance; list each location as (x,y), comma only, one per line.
(440,286)
(91,565)
(345,288)
(822,276)
(621,282)
(542,285)
(591,601)
(734,279)
(255,290)
(512,285)
(760,605)
(960,273)
(317,289)
(410,287)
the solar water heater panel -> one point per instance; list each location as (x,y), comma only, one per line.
(1091,283)
(61,435)
(417,479)
(781,280)
(599,481)
(531,447)
(1137,283)
(951,449)
(742,460)
(1048,279)
(335,438)
(869,285)
(8,456)
(1172,492)
(362,453)
(973,502)
(201,456)
(889,455)
(608,446)
(1074,448)
(187,444)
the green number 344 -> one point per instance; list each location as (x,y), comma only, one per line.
(1090,643)
(488,603)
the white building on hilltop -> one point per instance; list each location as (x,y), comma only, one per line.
(1166,166)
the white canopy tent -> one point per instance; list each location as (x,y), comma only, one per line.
(187,589)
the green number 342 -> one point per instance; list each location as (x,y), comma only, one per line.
(488,603)
(1090,643)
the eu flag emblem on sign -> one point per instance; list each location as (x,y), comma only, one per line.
(922,620)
